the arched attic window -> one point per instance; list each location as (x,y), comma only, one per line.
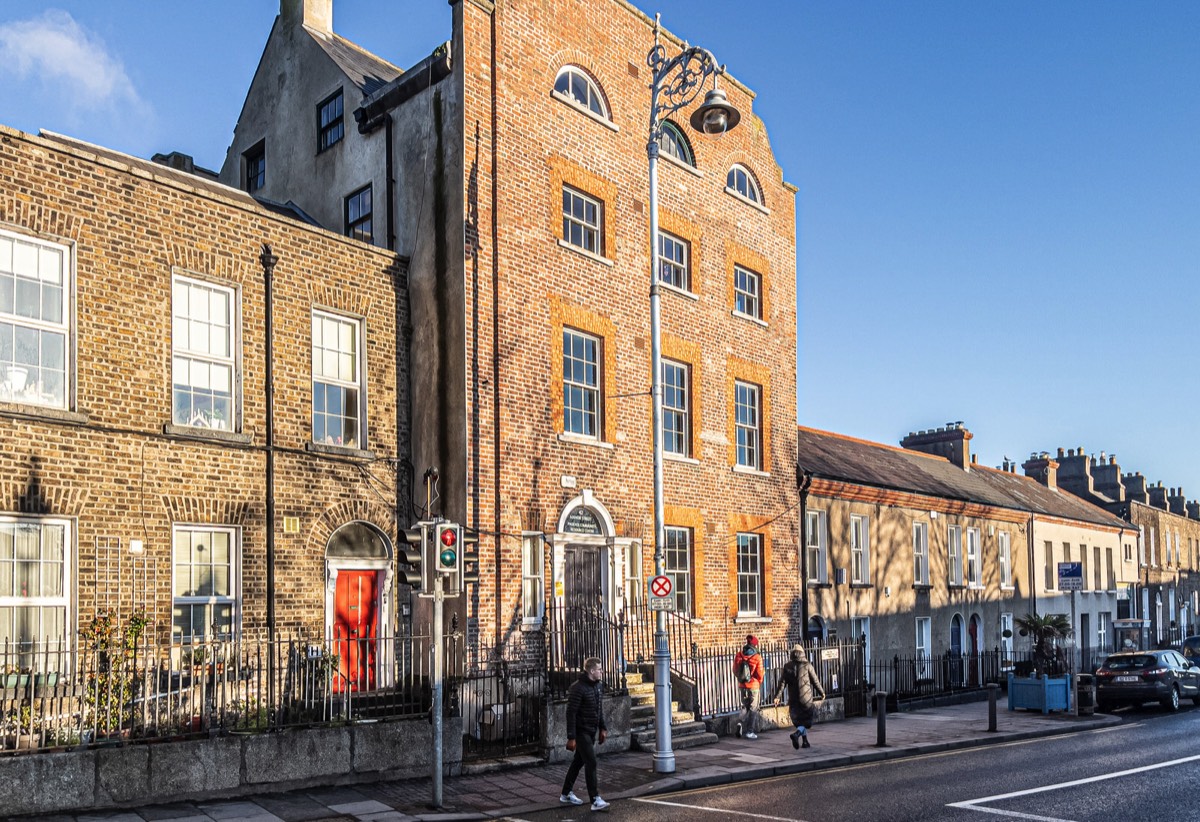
(575,84)
(674,143)
(741,181)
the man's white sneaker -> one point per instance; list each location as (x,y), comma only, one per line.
(599,804)
(570,799)
(750,735)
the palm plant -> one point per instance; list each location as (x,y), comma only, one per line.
(1045,630)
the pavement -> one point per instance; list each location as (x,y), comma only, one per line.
(511,791)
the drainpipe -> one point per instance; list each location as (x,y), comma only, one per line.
(390,183)
(268,261)
(804,480)
(1032,570)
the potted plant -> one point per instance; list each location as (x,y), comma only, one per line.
(1049,686)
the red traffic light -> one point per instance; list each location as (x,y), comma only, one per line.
(449,537)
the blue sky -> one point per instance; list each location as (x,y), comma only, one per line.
(998,206)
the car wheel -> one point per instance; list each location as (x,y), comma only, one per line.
(1171,703)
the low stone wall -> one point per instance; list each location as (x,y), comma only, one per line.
(770,717)
(616,717)
(140,774)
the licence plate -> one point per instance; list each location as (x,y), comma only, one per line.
(1127,679)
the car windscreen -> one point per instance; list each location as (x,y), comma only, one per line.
(1129,663)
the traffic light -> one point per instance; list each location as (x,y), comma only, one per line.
(448,548)
(470,558)
(412,555)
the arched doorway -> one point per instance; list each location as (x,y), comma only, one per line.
(358,560)
(974,636)
(816,629)
(955,656)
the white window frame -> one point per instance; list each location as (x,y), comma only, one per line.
(924,641)
(1004,554)
(1006,642)
(533,570)
(23,380)
(41,638)
(747,421)
(580,231)
(211,601)
(635,579)
(1153,548)
(740,180)
(676,409)
(593,101)
(352,388)
(974,558)
(195,366)
(1103,629)
(750,578)
(674,261)
(679,544)
(747,292)
(1142,546)
(817,539)
(582,388)
(920,553)
(954,552)
(860,549)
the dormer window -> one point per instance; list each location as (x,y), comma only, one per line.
(580,89)
(674,144)
(742,183)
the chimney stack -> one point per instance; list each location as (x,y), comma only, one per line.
(316,14)
(1177,502)
(1158,496)
(1135,488)
(1041,468)
(949,442)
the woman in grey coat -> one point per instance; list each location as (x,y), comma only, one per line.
(804,691)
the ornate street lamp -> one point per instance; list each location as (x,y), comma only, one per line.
(675,82)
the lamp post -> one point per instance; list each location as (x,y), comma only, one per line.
(675,82)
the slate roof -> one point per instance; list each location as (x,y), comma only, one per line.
(837,457)
(365,70)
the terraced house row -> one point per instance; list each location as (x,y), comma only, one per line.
(221,391)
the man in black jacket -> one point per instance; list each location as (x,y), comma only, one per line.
(585,719)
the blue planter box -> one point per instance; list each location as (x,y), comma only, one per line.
(1046,694)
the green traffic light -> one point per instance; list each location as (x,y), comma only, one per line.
(448,557)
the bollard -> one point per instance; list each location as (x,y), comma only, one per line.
(993,691)
(881,719)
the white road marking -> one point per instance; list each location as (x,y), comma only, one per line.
(725,811)
(973,804)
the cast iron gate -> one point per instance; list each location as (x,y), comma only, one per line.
(503,704)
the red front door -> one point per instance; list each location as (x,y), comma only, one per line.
(355,609)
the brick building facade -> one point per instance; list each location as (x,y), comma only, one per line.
(133,415)
(521,200)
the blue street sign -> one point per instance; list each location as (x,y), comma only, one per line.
(1070,576)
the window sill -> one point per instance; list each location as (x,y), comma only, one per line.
(861,586)
(42,413)
(821,585)
(338,451)
(749,317)
(751,472)
(682,292)
(922,587)
(583,252)
(576,439)
(684,460)
(191,432)
(748,619)
(531,624)
(585,111)
(675,161)
(757,206)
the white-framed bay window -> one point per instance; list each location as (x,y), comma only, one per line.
(974,559)
(750,574)
(339,410)
(35,586)
(816,536)
(36,321)
(204,377)
(533,591)
(205,582)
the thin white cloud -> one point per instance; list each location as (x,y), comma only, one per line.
(72,64)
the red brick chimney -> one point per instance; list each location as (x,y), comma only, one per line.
(949,442)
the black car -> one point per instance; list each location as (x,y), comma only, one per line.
(1134,677)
